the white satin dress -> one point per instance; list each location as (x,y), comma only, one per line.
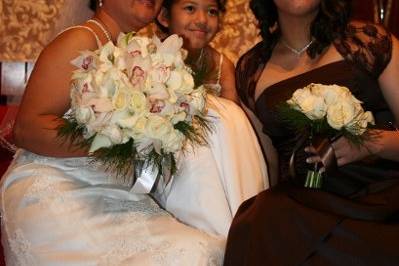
(66,211)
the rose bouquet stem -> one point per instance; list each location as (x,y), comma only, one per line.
(313,177)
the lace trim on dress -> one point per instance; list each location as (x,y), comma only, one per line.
(21,248)
(367,46)
(163,254)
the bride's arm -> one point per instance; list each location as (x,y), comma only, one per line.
(47,96)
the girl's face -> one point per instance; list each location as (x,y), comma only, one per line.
(197,21)
(297,7)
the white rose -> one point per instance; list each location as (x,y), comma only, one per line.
(115,134)
(134,126)
(138,102)
(181,82)
(120,99)
(341,113)
(157,127)
(311,105)
(176,118)
(197,101)
(173,141)
(359,124)
(299,96)
(84,115)
(334,93)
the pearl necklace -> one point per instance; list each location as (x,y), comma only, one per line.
(101,26)
(298,52)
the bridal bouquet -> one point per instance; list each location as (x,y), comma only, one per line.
(328,111)
(136,104)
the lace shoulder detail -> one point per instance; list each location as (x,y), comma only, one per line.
(248,70)
(366,45)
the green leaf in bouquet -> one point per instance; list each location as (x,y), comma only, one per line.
(70,130)
(294,119)
(118,158)
(198,131)
(161,162)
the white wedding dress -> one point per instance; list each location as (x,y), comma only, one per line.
(66,211)
(214,180)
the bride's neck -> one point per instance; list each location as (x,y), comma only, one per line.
(109,24)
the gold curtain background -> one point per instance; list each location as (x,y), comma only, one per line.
(28,25)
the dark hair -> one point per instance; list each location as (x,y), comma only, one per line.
(167,4)
(93,5)
(330,22)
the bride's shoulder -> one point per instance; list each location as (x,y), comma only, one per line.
(70,42)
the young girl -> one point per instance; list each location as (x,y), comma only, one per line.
(198,21)
(215,179)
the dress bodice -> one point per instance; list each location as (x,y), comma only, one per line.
(363,62)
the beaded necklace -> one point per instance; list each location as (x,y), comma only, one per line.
(103,29)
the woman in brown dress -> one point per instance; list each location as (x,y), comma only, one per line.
(353,219)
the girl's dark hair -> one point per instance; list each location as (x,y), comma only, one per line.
(167,4)
(330,22)
(93,5)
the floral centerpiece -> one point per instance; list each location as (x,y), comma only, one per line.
(135,105)
(329,111)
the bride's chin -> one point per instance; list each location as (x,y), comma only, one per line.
(147,3)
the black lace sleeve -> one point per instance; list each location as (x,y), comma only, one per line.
(368,46)
(248,70)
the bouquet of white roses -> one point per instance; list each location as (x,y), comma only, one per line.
(136,104)
(329,111)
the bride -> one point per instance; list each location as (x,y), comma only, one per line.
(57,209)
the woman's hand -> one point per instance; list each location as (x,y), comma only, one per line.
(347,152)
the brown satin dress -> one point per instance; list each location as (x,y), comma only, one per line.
(354,218)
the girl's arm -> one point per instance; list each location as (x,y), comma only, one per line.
(227,81)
